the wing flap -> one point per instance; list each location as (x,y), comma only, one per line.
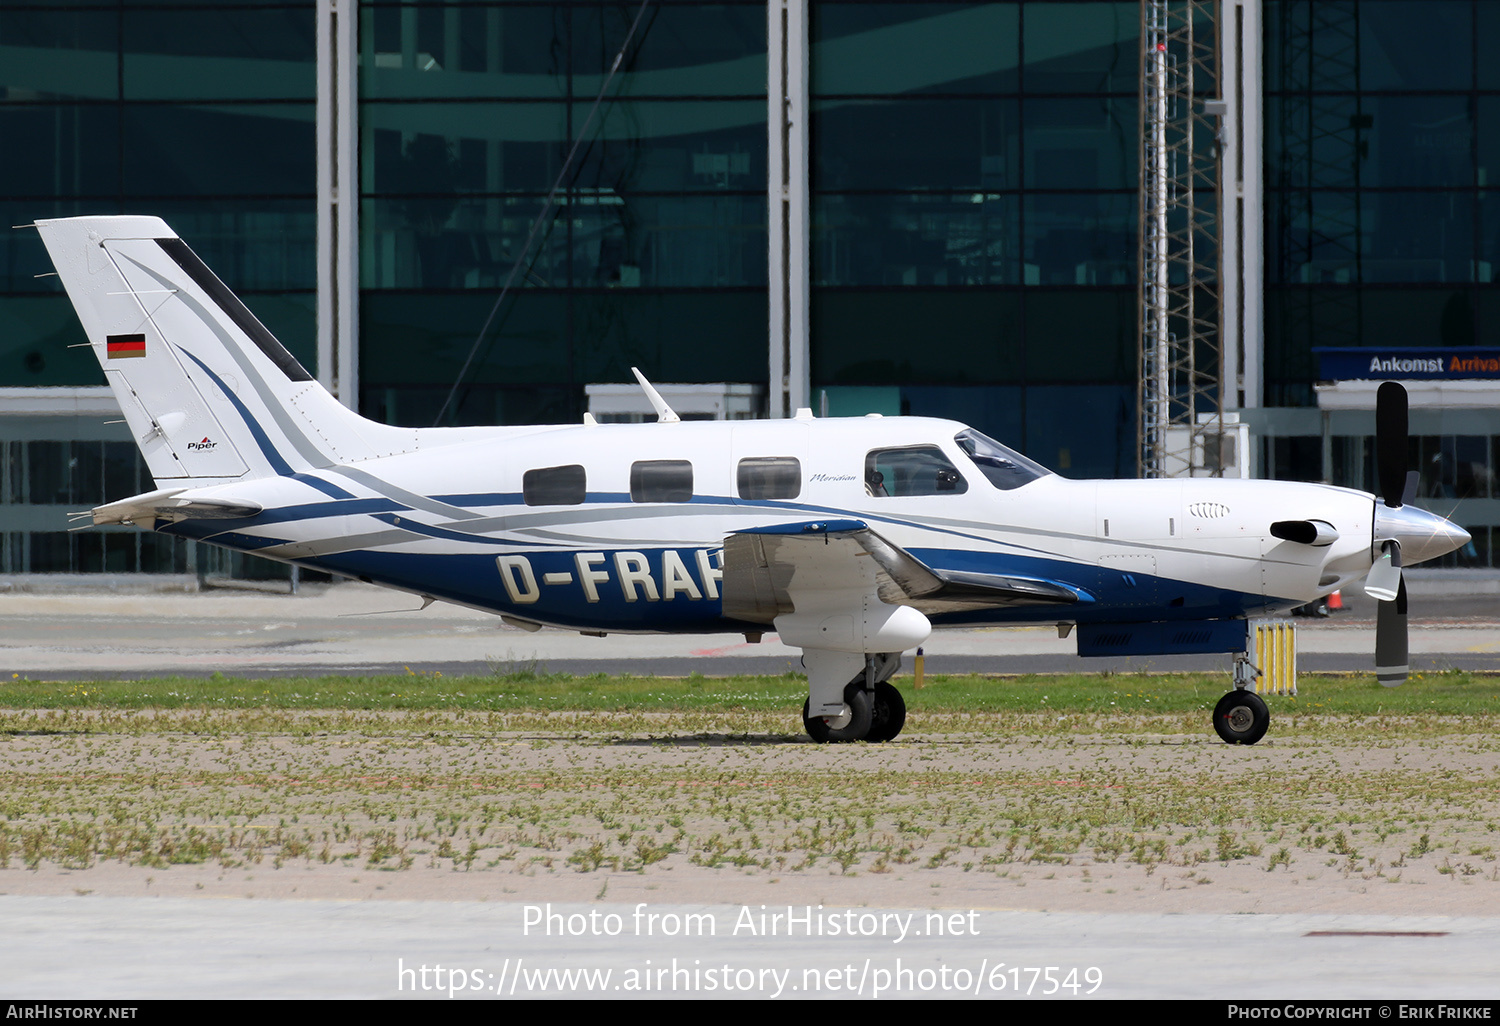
(765,568)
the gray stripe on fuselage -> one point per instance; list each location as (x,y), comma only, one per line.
(969,525)
(579,540)
(411,499)
(305,447)
(330,545)
(590,513)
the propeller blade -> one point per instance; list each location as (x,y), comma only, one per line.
(1413,479)
(1390,441)
(1390,640)
(1384,580)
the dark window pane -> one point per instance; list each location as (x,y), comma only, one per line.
(915,144)
(1489,41)
(221,54)
(503,51)
(1080,335)
(12,472)
(244,149)
(428,51)
(1417,237)
(911,48)
(698,50)
(163,554)
(1081,239)
(554,486)
(1315,141)
(661,481)
(443,149)
(74,151)
(476,404)
(1082,431)
(119,551)
(1082,47)
(591,239)
(1426,46)
(704,335)
(915,470)
(409,340)
(921,239)
(51,552)
(122,471)
(1082,144)
(1316,237)
(35,334)
(86,474)
(916,336)
(1417,140)
(674,145)
(545,337)
(49,473)
(1417,317)
(59,55)
(769,477)
(252,245)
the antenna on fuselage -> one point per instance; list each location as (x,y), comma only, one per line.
(664,413)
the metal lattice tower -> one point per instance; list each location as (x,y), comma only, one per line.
(1180,396)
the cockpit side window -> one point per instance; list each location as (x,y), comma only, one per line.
(1004,468)
(912,470)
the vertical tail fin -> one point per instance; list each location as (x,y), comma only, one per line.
(207,390)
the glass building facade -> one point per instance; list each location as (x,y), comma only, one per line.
(972,181)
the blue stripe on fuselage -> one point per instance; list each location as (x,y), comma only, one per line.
(622,601)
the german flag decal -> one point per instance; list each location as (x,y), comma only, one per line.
(121,346)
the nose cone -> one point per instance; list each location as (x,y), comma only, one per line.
(1422,535)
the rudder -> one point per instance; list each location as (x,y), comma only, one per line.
(208,391)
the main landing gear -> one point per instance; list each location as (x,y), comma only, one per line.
(873,709)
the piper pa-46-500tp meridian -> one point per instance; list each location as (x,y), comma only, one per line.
(849,537)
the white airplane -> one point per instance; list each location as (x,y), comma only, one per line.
(849,537)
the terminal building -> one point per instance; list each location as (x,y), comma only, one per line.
(472,212)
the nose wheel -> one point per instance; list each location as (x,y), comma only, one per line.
(1241,717)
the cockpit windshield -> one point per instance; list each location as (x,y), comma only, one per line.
(1004,468)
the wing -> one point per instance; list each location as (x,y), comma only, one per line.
(765,568)
(166,504)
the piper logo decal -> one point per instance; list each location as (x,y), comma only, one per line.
(203,446)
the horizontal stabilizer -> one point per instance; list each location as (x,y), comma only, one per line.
(165,504)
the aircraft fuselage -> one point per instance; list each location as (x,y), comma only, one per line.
(454,522)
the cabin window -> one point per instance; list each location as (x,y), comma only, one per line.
(661,481)
(769,477)
(554,486)
(1004,468)
(912,470)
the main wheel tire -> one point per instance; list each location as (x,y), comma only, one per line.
(1241,717)
(857,699)
(888,715)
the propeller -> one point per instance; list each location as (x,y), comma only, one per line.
(1398,486)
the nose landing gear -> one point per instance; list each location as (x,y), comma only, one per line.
(1241,717)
